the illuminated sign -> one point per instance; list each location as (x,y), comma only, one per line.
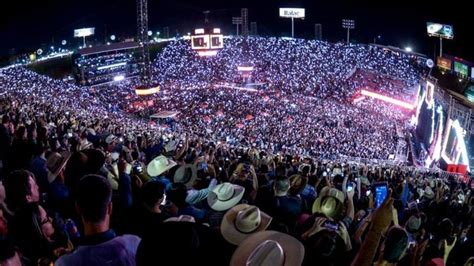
(454,147)
(436,155)
(292,12)
(217,41)
(207,53)
(461,69)
(200,42)
(429,99)
(444,63)
(243,68)
(440,30)
(199,31)
(149,91)
(111,66)
(84,32)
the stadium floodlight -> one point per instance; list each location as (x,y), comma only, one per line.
(408,49)
(348,24)
(150,33)
(112,37)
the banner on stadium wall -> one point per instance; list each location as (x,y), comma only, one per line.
(147,91)
(84,32)
(444,63)
(292,12)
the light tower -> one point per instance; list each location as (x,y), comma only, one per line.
(244,14)
(348,24)
(142,38)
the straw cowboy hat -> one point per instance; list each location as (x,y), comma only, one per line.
(159,165)
(269,248)
(242,221)
(225,196)
(181,218)
(330,202)
(55,163)
(185,174)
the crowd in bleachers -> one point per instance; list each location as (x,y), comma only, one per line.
(239,178)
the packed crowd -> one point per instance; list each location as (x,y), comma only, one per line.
(314,68)
(95,196)
(239,178)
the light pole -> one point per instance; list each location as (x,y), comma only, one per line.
(440,46)
(348,24)
(237,21)
(378,37)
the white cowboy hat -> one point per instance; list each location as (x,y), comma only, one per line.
(185,174)
(55,163)
(110,138)
(225,196)
(330,202)
(242,221)
(268,248)
(159,165)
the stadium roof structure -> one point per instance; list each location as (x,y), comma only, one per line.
(399,50)
(108,48)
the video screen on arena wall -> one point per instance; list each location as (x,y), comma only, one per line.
(461,69)
(454,145)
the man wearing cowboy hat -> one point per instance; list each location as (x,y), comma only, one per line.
(242,221)
(158,168)
(269,248)
(220,199)
(58,192)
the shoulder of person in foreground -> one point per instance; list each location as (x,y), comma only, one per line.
(94,255)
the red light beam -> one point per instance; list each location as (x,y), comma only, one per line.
(387,99)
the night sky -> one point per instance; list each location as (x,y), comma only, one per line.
(28,25)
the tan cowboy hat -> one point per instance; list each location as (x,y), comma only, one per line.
(269,248)
(242,221)
(330,202)
(185,174)
(159,165)
(181,218)
(55,163)
(225,196)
